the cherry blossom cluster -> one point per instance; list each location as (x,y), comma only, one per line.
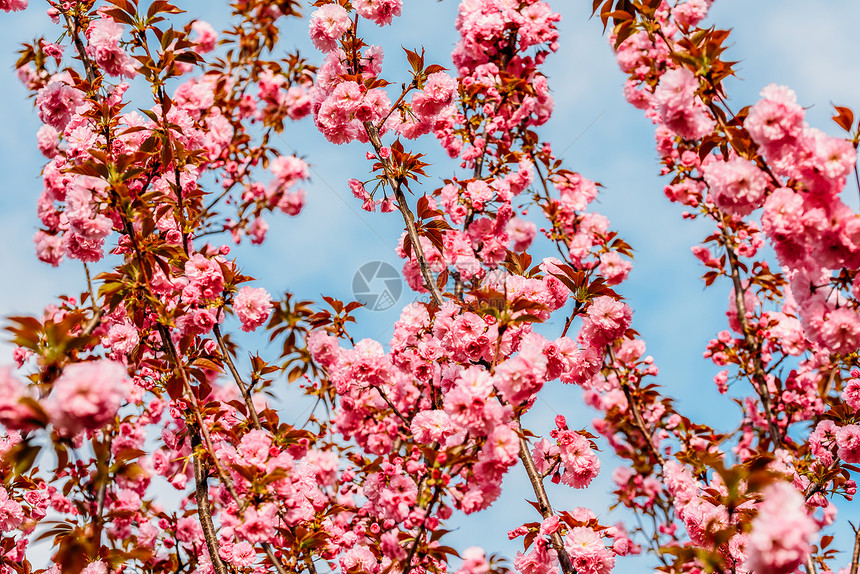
(136,384)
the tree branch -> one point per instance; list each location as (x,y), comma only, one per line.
(249,403)
(634,408)
(855,558)
(752,344)
(408,218)
(72,27)
(203,508)
(420,533)
(544,504)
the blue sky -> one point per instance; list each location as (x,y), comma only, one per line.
(810,46)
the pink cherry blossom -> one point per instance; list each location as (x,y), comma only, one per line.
(13,5)
(253,306)
(206,36)
(87,396)
(11,513)
(104,36)
(380,11)
(737,185)
(781,533)
(328,23)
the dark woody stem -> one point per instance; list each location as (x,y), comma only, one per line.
(543,504)
(408,217)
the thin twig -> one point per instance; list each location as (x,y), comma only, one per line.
(249,403)
(637,412)
(420,533)
(855,558)
(90,289)
(856,173)
(202,495)
(393,407)
(408,217)
(758,369)
(544,504)
(79,46)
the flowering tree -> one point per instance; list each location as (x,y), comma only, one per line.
(134,384)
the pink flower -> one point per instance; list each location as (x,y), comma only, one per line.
(359,559)
(259,524)
(97,567)
(252,305)
(848,440)
(587,552)
(205,276)
(679,107)
(614,268)
(189,531)
(328,23)
(580,463)
(438,94)
(520,377)
(851,394)
(288,170)
(103,47)
(122,338)
(206,36)
(380,11)
(13,413)
(432,426)
(737,185)
(841,330)
(47,141)
(521,232)
(13,5)
(691,12)
(474,561)
(323,348)
(781,533)
(87,396)
(776,121)
(680,482)
(243,554)
(502,445)
(292,202)
(57,102)
(544,455)
(11,513)
(254,448)
(606,321)
(543,559)
(49,248)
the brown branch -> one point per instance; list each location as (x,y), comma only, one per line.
(249,403)
(750,340)
(203,507)
(210,448)
(406,89)
(98,312)
(93,322)
(408,217)
(634,408)
(544,504)
(312,569)
(72,27)
(393,407)
(855,558)
(420,532)
(90,289)
(856,172)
